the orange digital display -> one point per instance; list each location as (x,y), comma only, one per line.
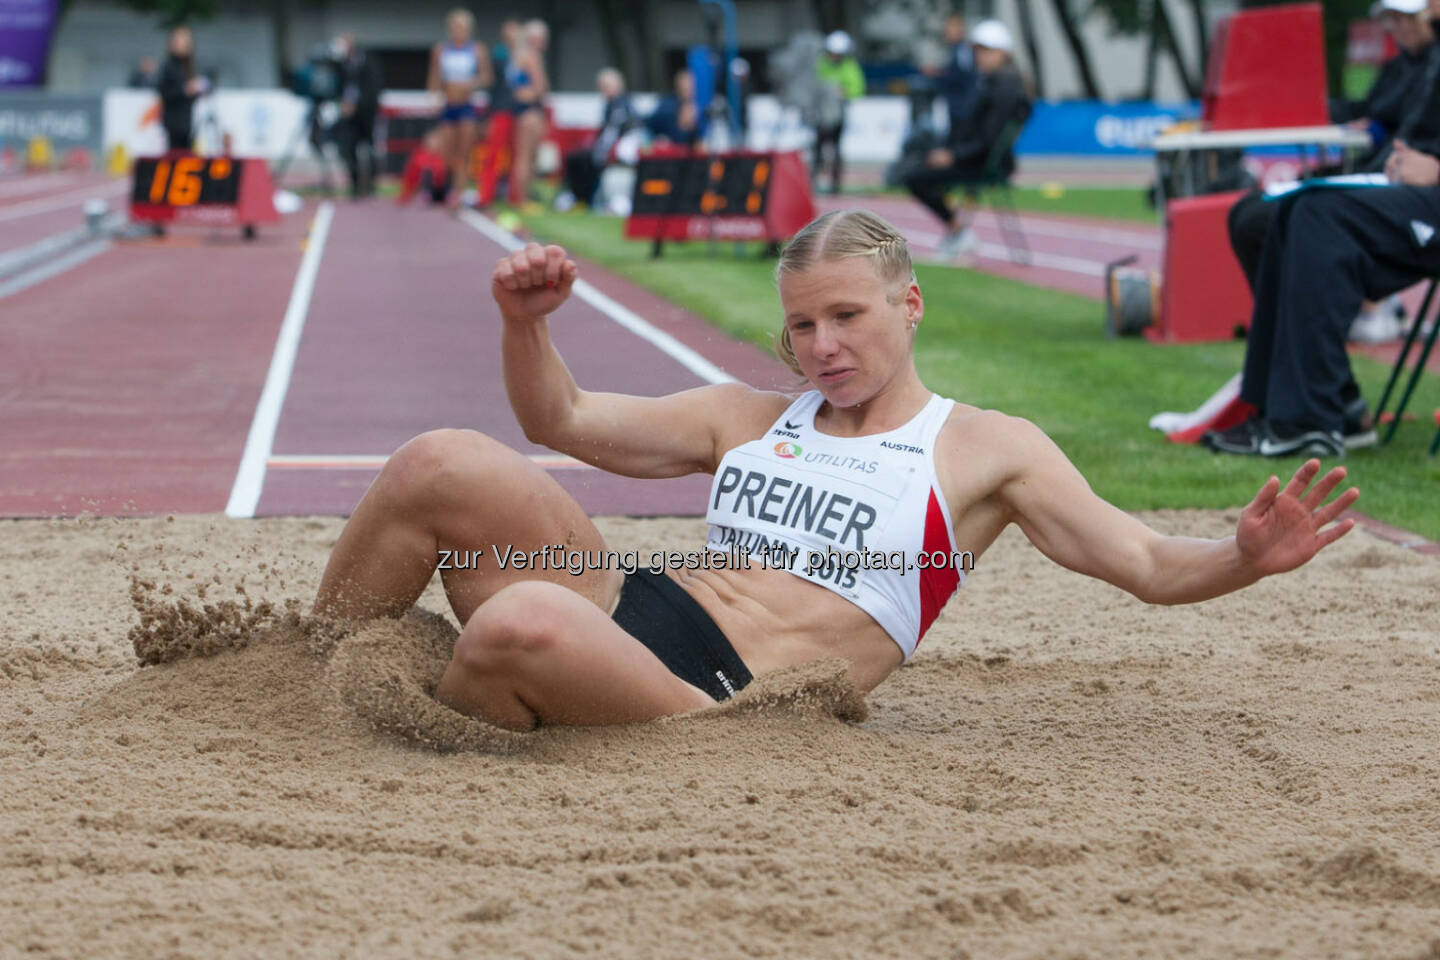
(729,185)
(185,181)
(741,195)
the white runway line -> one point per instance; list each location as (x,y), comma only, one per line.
(1001,254)
(624,316)
(366,461)
(15,260)
(250,478)
(1074,231)
(44,271)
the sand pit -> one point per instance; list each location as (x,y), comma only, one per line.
(1061,772)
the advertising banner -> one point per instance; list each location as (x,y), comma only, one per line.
(65,119)
(25,30)
(1093,128)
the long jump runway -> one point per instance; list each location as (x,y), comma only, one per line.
(155,378)
(402,337)
(199,373)
(129,381)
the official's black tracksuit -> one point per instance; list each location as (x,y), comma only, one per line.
(177,104)
(1000,98)
(1312,258)
(1405,97)
(361,81)
(1325,252)
(584,166)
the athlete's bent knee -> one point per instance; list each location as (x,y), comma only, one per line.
(443,464)
(510,631)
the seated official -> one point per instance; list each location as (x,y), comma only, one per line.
(584,166)
(1000,100)
(677,119)
(1399,84)
(1405,95)
(1325,252)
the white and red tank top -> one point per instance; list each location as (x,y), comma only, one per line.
(861,516)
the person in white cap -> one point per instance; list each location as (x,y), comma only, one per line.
(1397,85)
(1000,101)
(840,81)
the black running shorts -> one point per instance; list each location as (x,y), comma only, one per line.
(656,611)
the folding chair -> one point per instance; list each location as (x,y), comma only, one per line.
(1002,196)
(1415,373)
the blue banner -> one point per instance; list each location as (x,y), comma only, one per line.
(25,29)
(1092,128)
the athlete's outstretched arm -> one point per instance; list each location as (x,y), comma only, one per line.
(485,76)
(432,77)
(668,436)
(1054,506)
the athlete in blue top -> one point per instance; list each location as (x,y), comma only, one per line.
(458,68)
(858,505)
(529,84)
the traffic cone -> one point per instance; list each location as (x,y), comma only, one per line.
(39,154)
(119,161)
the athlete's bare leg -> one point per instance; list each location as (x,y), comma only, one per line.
(445,143)
(465,134)
(529,131)
(965,211)
(537,652)
(461,491)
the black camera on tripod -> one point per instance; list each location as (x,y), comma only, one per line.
(322,77)
(321,82)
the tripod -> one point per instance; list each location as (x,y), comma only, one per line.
(311,129)
(208,132)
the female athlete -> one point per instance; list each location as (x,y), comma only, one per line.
(458,67)
(529,84)
(867,463)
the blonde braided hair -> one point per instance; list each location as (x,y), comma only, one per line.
(839,235)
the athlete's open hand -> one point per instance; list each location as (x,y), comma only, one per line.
(532,282)
(1282,529)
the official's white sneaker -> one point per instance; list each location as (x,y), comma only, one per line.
(1376,326)
(956,243)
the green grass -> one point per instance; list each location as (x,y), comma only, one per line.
(1113,203)
(1117,203)
(1043,355)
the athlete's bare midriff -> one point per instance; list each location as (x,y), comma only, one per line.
(457,94)
(775,619)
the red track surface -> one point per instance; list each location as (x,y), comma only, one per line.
(30,212)
(132,380)
(1069,253)
(402,337)
(135,377)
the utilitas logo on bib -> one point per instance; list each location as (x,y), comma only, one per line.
(788,450)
